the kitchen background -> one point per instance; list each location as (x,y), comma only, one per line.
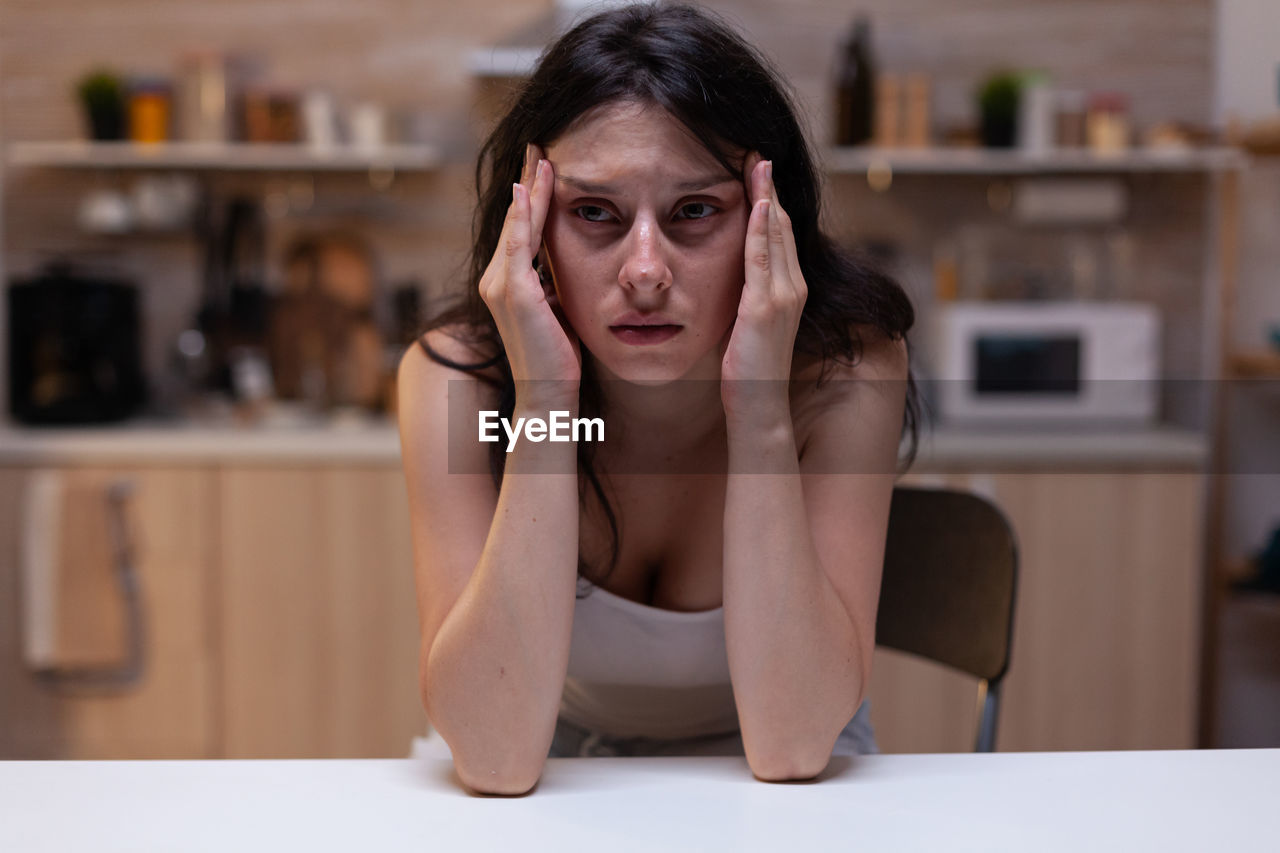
(259,478)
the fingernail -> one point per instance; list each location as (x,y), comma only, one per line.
(515,192)
(528,152)
(768,169)
(538,174)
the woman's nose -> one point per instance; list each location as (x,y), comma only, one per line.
(645,267)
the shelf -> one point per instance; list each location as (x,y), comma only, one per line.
(217,156)
(1256,364)
(993,161)
(1158,447)
(362,439)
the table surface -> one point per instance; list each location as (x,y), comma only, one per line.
(1173,800)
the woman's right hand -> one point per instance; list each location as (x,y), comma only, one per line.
(543,350)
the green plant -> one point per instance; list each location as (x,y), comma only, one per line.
(998,107)
(102,95)
(101,89)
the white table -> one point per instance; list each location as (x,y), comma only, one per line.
(1159,801)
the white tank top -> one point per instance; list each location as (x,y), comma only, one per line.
(636,670)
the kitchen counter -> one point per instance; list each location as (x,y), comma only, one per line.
(1144,449)
(369,441)
(377,441)
(292,525)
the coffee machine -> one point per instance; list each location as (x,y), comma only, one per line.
(74,348)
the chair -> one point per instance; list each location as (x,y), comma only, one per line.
(948,591)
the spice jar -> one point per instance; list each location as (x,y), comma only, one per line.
(1108,122)
(1070,119)
(888,111)
(149,107)
(916,114)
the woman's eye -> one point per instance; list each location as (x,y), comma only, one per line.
(696,210)
(692,211)
(592,213)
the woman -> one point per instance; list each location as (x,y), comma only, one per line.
(647,252)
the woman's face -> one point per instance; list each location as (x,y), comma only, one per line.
(645,227)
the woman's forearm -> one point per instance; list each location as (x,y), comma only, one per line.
(496,669)
(792,648)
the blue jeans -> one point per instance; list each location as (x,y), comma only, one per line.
(574,741)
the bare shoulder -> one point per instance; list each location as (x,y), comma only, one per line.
(457,343)
(882,357)
(882,366)
(426,386)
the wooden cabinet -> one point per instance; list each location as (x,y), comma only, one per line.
(169,713)
(1106,626)
(282,619)
(279,614)
(319,646)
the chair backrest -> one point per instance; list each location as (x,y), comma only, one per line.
(950,575)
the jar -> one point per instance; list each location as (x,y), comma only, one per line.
(916,114)
(1035,113)
(1070,119)
(149,106)
(202,98)
(1108,122)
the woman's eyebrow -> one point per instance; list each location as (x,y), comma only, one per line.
(693,185)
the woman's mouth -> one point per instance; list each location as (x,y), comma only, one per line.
(645,335)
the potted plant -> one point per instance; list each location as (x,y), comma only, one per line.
(998,108)
(102,96)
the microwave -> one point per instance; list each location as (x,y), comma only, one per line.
(1046,362)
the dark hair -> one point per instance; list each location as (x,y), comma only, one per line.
(700,71)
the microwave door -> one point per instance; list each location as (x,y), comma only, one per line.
(1025,367)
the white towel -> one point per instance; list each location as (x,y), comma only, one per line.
(40,555)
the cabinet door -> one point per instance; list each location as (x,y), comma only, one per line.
(61,607)
(1106,626)
(319,621)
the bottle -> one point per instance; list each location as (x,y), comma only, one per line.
(856,88)
(1035,113)
(202,98)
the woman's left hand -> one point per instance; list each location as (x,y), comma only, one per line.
(756,368)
